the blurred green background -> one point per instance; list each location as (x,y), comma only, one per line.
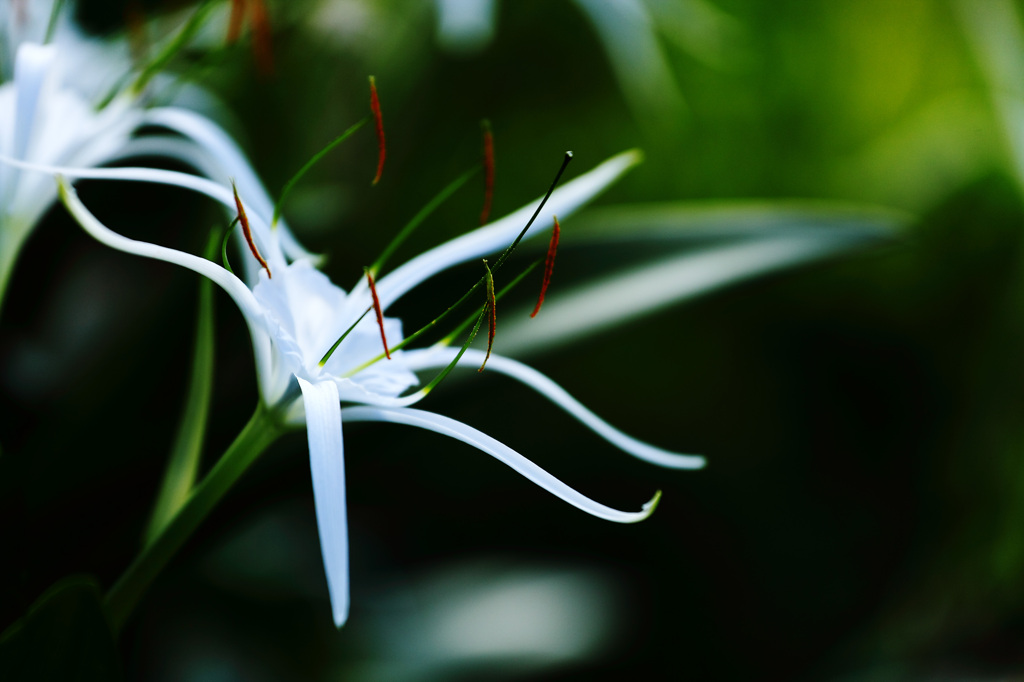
(862,513)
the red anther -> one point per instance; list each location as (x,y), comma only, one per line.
(381,149)
(262,46)
(243,220)
(549,265)
(488,172)
(492,315)
(380,313)
(135,22)
(235,20)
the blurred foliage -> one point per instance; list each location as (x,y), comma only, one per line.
(860,517)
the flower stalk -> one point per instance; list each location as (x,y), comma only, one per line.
(262,430)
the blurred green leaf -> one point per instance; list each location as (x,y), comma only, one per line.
(64,636)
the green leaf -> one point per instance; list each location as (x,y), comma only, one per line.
(180,475)
(667,253)
(64,636)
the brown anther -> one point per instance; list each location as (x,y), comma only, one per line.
(492,315)
(549,266)
(379,120)
(262,46)
(378,311)
(235,21)
(488,172)
(243,220)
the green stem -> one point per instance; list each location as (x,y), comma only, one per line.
(262,430)
(12,238)
(183,464)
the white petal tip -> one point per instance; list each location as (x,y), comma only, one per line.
(633,156)
(692,462)
(650,506)
(340,617)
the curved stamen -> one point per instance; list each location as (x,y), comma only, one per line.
(379,120)
(485,213)
(549,266)
(243,220)
(376,309)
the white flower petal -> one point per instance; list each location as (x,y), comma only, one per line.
(467,434)
(234,162)
(30,70)
(500,234)
(624,296)
(234,287)
(558,395)
(215,191)
(327,467)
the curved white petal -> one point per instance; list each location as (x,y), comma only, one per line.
(214,190)
(500,234)
(327,467)
(467,434)
(32,65)
(630,294)
(234,287)
(440,357)
(221,147)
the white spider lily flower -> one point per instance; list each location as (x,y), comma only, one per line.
(49,117)
(41,121)
(295,314)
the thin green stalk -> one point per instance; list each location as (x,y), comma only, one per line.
(262,430)
(51,26)
(12,238)
(309,164)
(422,215)
(183,465)
(173,47)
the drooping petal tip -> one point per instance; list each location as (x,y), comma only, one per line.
(652,504)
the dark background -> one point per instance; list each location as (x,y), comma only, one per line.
(861,513)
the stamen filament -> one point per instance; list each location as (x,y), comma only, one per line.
(247,231)
(485,213)
(482,280)
(379,120)
(549,266)
(51,25)
(224,246)
(377,309)
(309,164)
(423,214)
(492,316)
(451,365)
(184,35)
(328,354)
(447,341)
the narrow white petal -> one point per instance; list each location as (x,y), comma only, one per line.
(234,287)
(214,190)
(467,434)
(558,395)
(625,296)
(499,234)
(234,162)
(30,70)
(327,466)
